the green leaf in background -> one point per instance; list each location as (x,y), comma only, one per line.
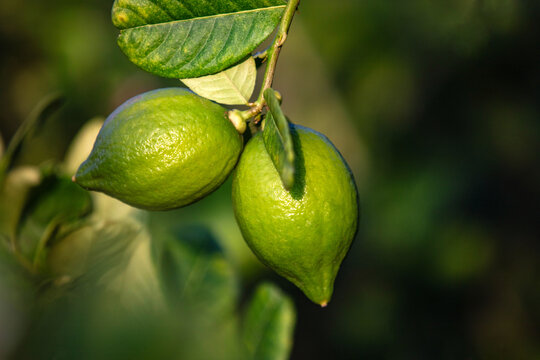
(278,140)
(54,202)
(110,259)
(269,324)
(16,299)
(172,39)
(38,115)
(233,86)
(139,308)
(13,196)
(195,272)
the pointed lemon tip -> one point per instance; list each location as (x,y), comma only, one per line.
(324,303)
(73,178)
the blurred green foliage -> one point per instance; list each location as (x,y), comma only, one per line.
(85,276)
(435,105)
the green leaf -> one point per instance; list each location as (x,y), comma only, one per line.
(13,197)
(278,140)
(39,114)
(132,13)
(197,46)
(54,202)
(269,324)
(195,272)
(233,86)
(111,260)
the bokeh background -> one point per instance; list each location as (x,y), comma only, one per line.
(435,105)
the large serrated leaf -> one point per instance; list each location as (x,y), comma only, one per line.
(278,140)
(233,86)
(172,39)
(269,324)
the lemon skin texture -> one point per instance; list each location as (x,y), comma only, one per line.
(302,234)
(161,150)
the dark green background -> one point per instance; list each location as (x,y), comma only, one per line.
(436,106)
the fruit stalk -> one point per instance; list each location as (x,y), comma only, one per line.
(273,55)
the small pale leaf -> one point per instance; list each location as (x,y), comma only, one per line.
(233,86)
(278,140)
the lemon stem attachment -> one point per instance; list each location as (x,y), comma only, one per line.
(235,116)
(272,55)
(324,303)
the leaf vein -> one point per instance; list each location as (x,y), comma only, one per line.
(201,48)
(161,44)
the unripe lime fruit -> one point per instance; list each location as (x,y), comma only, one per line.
(161,150)
(303,234)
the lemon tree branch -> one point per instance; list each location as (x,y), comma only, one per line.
(272,58)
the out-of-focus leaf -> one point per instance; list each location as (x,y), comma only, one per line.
(187,39)
(233,86)
(13,196)
(196,273)
(39,114)
(462,252)
(278,141)
(16,295)
(54,202)
(110,259)
(213,212)
(269,324)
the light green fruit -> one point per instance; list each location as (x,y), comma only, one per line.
(303,234)
(161,150)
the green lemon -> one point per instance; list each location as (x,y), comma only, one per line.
(161,150)
(302,234)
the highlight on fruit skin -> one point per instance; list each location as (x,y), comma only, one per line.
(161,150)
(302,234)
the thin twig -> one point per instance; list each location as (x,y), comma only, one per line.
(272,58)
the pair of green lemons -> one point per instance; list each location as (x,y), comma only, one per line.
(169,148)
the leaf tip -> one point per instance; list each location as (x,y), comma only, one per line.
(287,177)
